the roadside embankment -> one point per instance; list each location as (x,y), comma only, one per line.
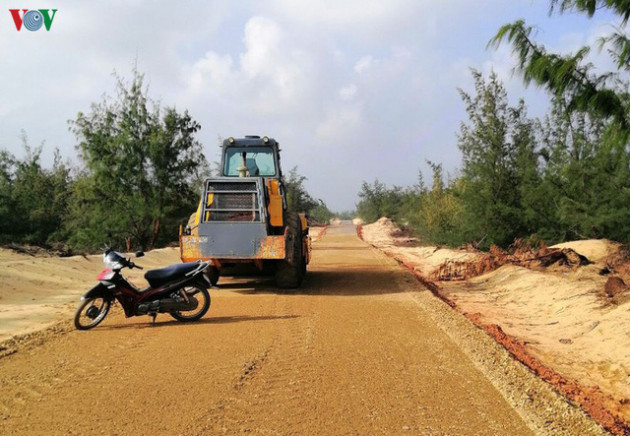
(561,310)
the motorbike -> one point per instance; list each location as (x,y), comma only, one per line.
(181,290)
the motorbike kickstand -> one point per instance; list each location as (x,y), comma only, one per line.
(153,315)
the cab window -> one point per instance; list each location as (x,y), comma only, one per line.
(258,160)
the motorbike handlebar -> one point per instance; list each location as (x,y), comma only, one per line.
(132,265)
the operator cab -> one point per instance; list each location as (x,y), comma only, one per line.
(251,156)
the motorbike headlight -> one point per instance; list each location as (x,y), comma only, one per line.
(113,260)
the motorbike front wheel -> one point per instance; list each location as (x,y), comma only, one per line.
(203,297)
(91,312)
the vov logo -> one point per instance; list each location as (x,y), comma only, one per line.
(33,19)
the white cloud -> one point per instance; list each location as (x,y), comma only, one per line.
(353,89)
(268,78)
(212,68)
(365,14)
(348,92)
(339,124)
(363,64)
(262,41)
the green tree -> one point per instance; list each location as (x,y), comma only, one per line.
(621,7)
(571,77)
(7,209)
(33,200)
(376,201)
(320,213)
(585,175)
(346,214)
(142,166)
(434,215)
(586,178)
(439,217)
(298,198)
(495,144)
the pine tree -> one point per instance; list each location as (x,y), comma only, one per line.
(141,166)
(495,144)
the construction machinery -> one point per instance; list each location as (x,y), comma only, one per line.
(243,218)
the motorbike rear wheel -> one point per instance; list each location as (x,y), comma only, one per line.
(91,312)
(203,297)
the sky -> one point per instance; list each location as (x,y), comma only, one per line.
(353,90)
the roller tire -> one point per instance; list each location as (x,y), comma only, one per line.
(290,272)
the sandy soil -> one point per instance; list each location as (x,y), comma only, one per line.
(394,242)
(558,314)
(362,348)
(36,291)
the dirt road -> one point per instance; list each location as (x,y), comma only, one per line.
(356,351)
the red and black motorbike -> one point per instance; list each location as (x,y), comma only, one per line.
(181,290)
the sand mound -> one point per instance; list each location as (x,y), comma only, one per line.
(357,221)
(596,250)
(380,231)
(520,253)
(385,232)
(385,235)
(36,291)
(563,303)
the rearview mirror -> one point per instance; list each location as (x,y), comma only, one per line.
(139,253)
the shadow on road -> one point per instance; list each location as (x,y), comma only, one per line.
(352,282)
(209,320)
(348,282)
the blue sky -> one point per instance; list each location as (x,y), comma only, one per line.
(354,90)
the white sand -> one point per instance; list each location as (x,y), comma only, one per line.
(561,314)
(35,292)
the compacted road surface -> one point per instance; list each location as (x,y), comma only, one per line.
(352,352)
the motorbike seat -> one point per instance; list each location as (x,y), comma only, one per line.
(158,277)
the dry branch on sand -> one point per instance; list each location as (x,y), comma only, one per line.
(521,253)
